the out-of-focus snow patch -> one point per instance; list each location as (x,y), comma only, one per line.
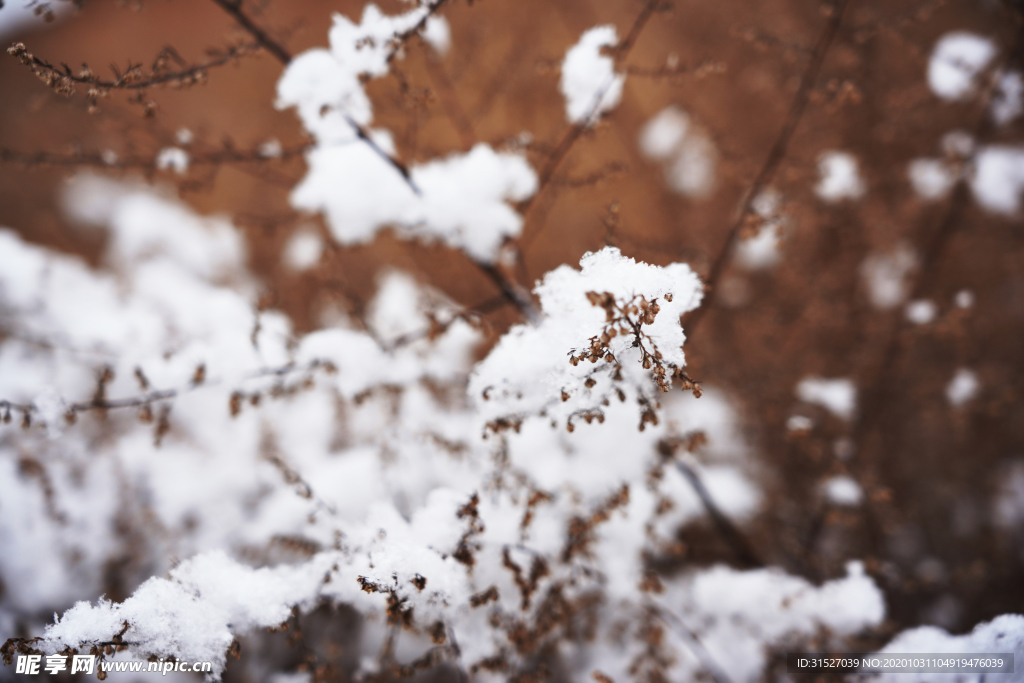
(762,250)
(843,490)
(687,152)
(799,423)
(1008,98)
(438,34)
(931,178)
(964,298)
(184,136)
(838,396)
(740,613)
(21,16)
(921,311)
(998,178)
(589,82)
(957,60)
(303,250)
(173,158)
(663,134)
(885,276)
(839,177)
(270,149)
(1008,506)
(463,199)
(1004,634)
(963,387)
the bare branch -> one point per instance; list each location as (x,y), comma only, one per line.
(775,156)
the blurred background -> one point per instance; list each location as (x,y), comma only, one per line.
(915,302)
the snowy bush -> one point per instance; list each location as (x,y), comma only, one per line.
(492,510)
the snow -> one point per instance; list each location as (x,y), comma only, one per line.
(1008,98)
(931,178)
(438,34)
(885,276)
(663,134)
(998,178)
(589,82)
(530,368)
(799,423)
(1004,634)
(963,387)
(764,249)
(743,612)
(271,149)
(462,200)
(173,158)
(843,490)
(688,155)
(839,396)
(956,61)
(964,298)
(921,311)
(839,177)
(303,250)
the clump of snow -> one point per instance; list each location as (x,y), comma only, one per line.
(184,136)
(589,82)
(461,200)
(303,250)
(529,368)
(839,396)
(998,178)
(173,158)
(742,613)
(843,490)
(688,154)
(963,387)
(195,613)
(957,60)
(839,177)
(921,311)
(885,276)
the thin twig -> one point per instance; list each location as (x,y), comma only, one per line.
(132,78)
(571,136)
(775,156)
(716,672)
(728,531)
(226,155)
(234,8)
(157,395)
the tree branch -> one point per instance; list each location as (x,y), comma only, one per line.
(775,156)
